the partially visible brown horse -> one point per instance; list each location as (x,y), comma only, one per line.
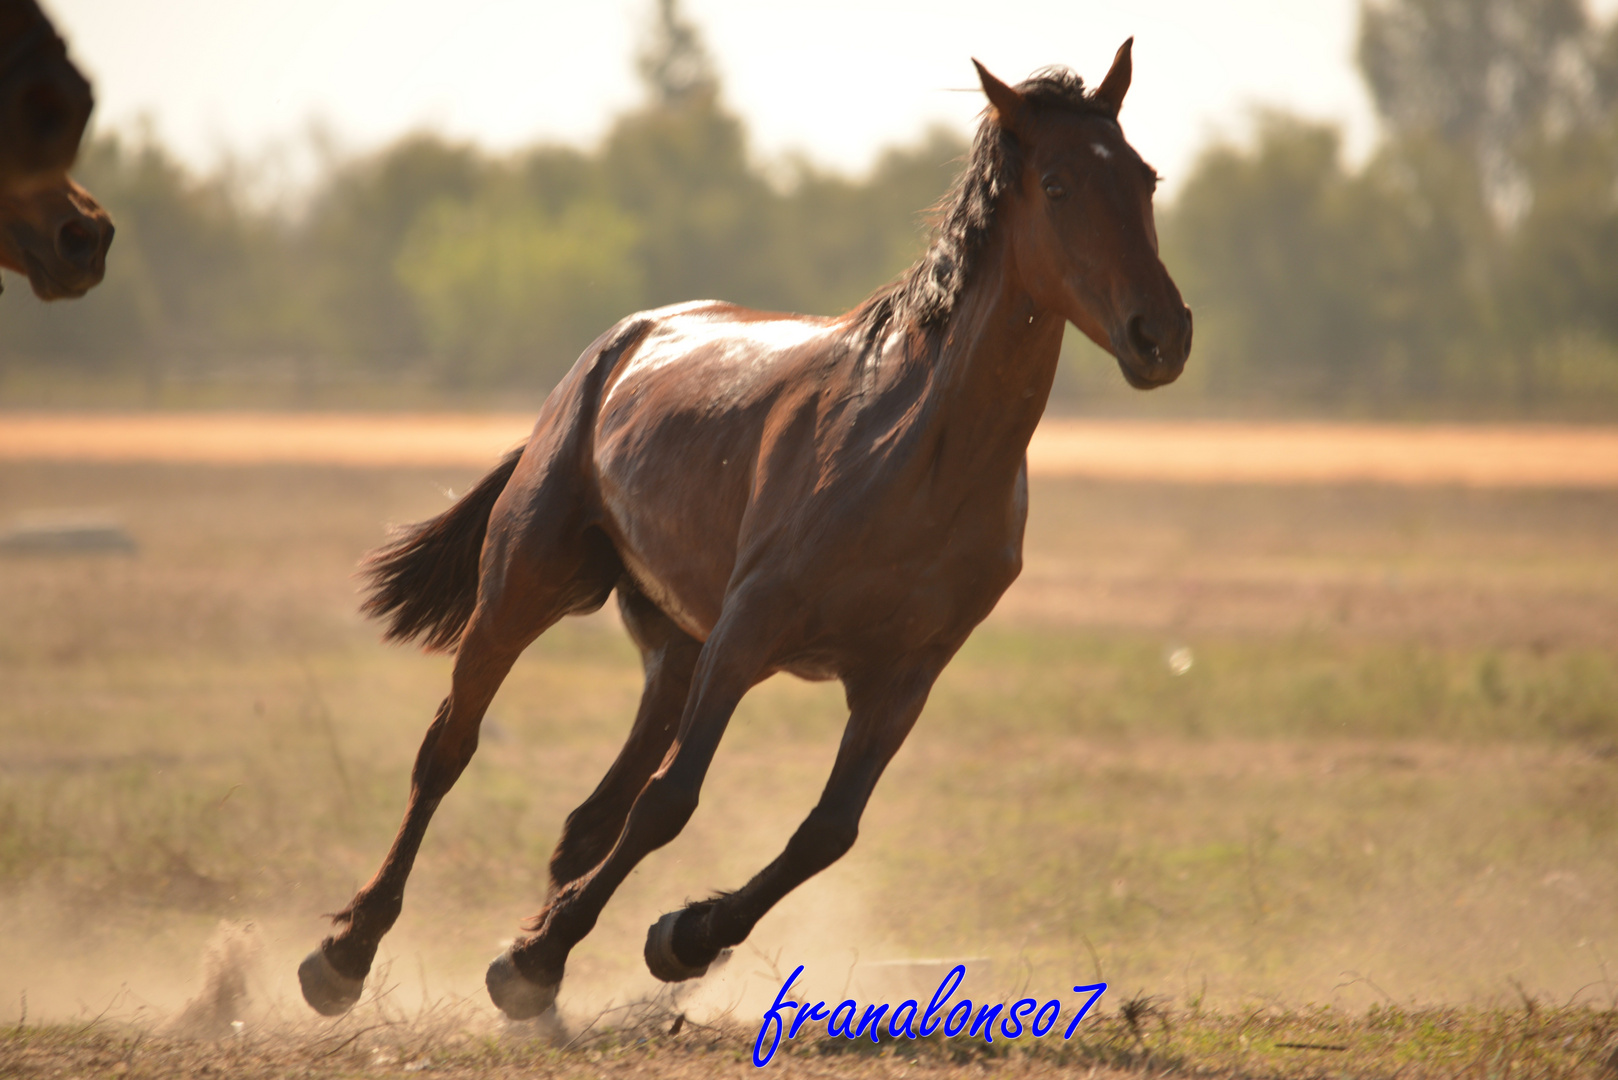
(56,234)
(44,101)
(840,498)
(50,227)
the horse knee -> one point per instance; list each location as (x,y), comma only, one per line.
(585,819)
(587,836)
(661,811)
(823,838)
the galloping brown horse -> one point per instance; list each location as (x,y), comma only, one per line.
(58,235)
(840,498)
(44,101)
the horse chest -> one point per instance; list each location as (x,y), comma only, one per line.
(919,591)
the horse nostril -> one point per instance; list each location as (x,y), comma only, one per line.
(76,243)
(1140,342)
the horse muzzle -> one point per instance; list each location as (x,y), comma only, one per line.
(1152,349)
(75,260)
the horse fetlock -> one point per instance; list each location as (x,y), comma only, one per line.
(369,916)
(663,961)
(328,991)
(350,953)
(514,993)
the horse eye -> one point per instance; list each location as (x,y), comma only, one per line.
(1054,190)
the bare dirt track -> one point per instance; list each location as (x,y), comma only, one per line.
(1178,452)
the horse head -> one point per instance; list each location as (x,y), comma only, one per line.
(58,235)
(1084,241)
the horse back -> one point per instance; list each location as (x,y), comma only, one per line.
(726,445)
(690,426)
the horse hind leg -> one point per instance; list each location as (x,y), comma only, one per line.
(333,975)
(526,584)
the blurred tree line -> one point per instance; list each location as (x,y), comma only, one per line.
(435,264)
(1470,267)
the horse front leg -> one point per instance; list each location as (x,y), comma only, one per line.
(669,656)
(682,944)
(524,979)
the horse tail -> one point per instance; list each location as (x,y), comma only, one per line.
(424,580)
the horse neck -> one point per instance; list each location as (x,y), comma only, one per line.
(994,368)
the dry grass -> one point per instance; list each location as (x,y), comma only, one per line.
(1143,1037)
(1385,781)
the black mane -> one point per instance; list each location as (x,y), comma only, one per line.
(924,296)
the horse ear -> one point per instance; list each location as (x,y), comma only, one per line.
(1116,84)
(1008,104)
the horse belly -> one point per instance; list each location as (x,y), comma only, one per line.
(673,596)
(674,519)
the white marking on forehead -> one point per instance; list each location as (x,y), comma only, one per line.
(1101,151)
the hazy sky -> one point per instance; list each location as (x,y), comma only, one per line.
(833,79)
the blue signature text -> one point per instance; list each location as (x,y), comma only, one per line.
(909,1020)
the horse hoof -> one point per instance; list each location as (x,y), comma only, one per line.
(515,995)
(328,991)
(660,956)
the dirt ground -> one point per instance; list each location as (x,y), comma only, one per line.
(1143,1040)
(1325,764)
(1180,452)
